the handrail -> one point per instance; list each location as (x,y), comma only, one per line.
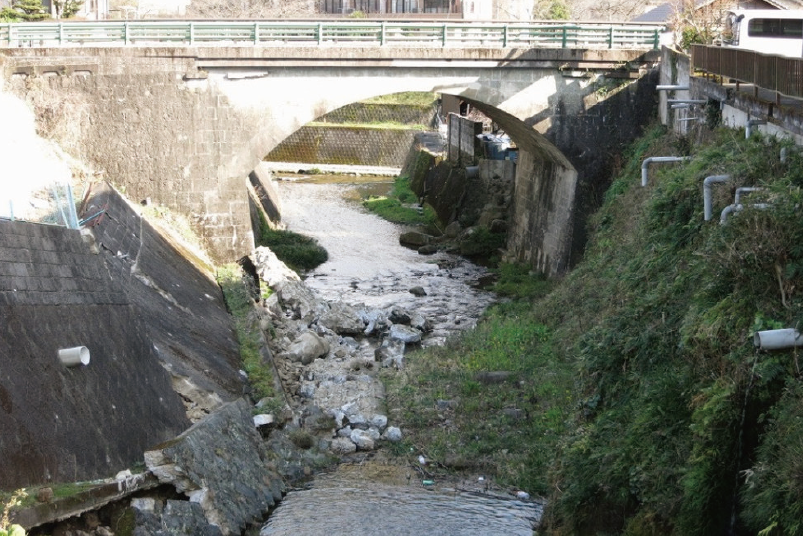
(323,33)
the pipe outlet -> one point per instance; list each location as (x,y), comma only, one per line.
(72,357)
(658,160)
(707,194)
(671,88)
(745,190)
(748,130)
(777,339)
(733,209)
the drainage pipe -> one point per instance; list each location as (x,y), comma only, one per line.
(686,119)
(745,190)
(733,209)
(72,357)
(785,152)
(658,159)
(686,101)
(671,88)
(684,106)
(777,339)
(748,131)
(707,196)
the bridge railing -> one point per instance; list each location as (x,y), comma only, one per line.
(776,73)
(322,33)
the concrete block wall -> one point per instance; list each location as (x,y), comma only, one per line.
(345,145)
(64,424)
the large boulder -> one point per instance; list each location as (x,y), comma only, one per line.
(300,300)
(270,269)
(307,348)
(221,464)
(342,319)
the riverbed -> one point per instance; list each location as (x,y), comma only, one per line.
(368,266)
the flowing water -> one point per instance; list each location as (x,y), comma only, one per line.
(367,265)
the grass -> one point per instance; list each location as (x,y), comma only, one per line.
(372,125)
(396,207)
(299,252)
(410,98)
(636,402)
(239,302)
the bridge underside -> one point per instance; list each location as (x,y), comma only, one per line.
(186,126)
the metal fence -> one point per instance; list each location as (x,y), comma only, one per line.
(52,204)
(776,73)
(322,33)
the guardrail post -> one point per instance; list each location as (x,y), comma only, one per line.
(192,33)
(10,33)
(564,38)
(443,36)
(656,39)
(61,33)
(256,33)
(610,37)
(504,36)
(320,33)
(126,38)
(382,34)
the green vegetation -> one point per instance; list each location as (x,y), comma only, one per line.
(238,294)
(299,252)
(397,206)
(24,11)
(636,401)
(409,98)
(372,125)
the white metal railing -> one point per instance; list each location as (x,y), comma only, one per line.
(341,33)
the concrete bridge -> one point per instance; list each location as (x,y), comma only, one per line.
(186,125)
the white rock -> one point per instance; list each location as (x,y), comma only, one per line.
(343,445)
(392,434)
(362,439)
(380,421)
(263,419)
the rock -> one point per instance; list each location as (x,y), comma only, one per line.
(514,413)
(453,230)
(270,269)
(498,226)
(44,495)
(264,419)
(414,239)
(492,377)
(418,292)
(390,354)
(215,460)
(343,445)
(172,517)
(392,434)
(342,319)
(378,421)
(429,249)
(373,318)
(363,439)
(302,302)
(420,323)
(399,315)
(307,390)
(404,334)
(273,306)
(306,348)
(443,405)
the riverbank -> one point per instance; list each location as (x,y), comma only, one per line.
(630,394)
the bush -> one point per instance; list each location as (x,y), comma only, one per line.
(299,252)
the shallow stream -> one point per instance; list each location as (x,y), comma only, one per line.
(368,266)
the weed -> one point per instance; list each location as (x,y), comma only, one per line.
(299,252)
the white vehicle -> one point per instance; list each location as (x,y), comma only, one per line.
(770,31)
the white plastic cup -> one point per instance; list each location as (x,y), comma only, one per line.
(72,357)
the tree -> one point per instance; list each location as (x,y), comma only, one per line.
(64,9)
(25,10)
(252,9)
(610,10)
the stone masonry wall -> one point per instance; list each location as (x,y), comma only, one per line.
(150,134)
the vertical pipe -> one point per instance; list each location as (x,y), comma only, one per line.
(707,194)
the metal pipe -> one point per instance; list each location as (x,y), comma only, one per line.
(680,106)
(748,131)
(745,190)
(785,152)
(658,159)
(707,196)
(671,88)
(777,339)
(734,208)
(685,119)
(686,101)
